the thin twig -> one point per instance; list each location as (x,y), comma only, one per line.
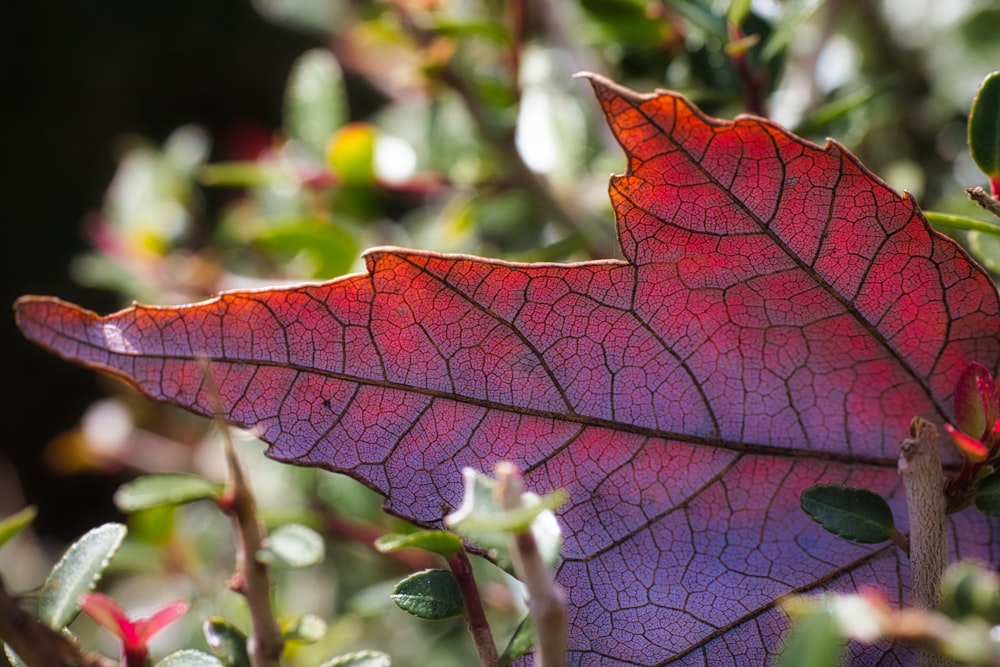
(983,198)
(475,615)
(920,468)
(37,644)
(252,579)
(754,83)
(358,532)
(545,600)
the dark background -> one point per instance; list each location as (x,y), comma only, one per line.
(76,78)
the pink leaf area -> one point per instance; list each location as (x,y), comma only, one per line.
(779,317)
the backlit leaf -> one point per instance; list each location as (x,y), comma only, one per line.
(432,595)
(778,317)
(76,573)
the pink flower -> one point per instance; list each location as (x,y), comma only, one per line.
(134,633)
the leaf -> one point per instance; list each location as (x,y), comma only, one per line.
(15,523)
(815,641)
(988,495)
(150,491)
(228,642)
(432,595)
(292,545)
(984,128)
(359,659)
(76,573)
(315,101)
(307,629)
(189,658)
(441,542)
(520,644)
(778,318)
(854,514)
(481,519)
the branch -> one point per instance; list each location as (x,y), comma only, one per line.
(475,615)
(251,580)
(37,644)
(983,198)
(920,468)
(545,600)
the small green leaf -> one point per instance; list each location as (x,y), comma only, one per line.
(432,595)
(815,641)
(168,489)
(970,590)
(738,11)
(315,101)
(15,523)
(307,629)
(520,644)
(440,542)
(13,658)
(190,658)
(359,659)
(228,642)
(76,573)
(481,519)
(988,495)
(292,545)
(854,514)
(984,127)
(789,24)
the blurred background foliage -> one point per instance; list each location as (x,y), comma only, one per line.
(165,152)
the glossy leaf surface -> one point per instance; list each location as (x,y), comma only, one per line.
(778,318)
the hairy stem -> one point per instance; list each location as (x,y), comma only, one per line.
(920,468)
(983,198)
(475,615)
(251,580)
(37,644)
(545,600)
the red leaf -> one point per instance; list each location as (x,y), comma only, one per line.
(780,316)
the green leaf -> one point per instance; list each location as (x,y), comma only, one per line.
(315,100)
(228,642)
(76,573)
(432,595)
(15,523)
(482,520)
(292,545)
(520,644)
(854,514)
(738,11)
(359,659)
(167,489)
(307,629)
(190,658)
(988,495)
(793,17)
(331,248)
(815,641)
(984,126)
(440,542)
(970,590)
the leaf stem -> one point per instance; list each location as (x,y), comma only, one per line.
(475,615)
(962,222)
(37,644)
(545,600)
(920,468)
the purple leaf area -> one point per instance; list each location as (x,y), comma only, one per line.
(779,317)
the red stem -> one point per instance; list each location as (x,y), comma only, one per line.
(475,615)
